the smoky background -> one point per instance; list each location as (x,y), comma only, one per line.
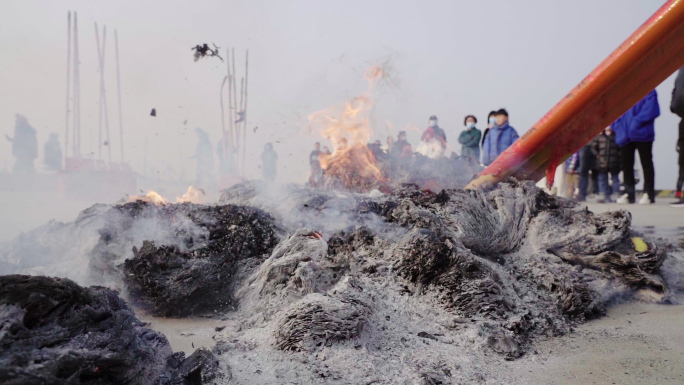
(446,58)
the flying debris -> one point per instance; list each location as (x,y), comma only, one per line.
(204,50)
(240,116)
(154,112)
(105,143)
(255,128)
(185,122)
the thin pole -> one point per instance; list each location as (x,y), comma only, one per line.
(99,119)
(77,94)
(242,99)
(223,144)
(230,105)
(237,125)
(68,85)
(244,115)
(118,91)
(104,95)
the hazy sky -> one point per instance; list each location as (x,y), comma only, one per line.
(448,58)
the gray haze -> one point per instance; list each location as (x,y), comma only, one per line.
(448,58)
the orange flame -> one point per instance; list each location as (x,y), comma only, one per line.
(193,195)
(151,197)
(348,128)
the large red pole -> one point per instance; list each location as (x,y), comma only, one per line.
(651,54)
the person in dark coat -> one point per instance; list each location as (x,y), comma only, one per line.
(588,179)
(401,148)
(607,154)
(634,131)
(491,121)
(677,107)
(52,152)
(470,139)
(316,177)
(572,167)
(499,138)
(24,146)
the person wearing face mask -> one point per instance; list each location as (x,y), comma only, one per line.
(435,134)
(491,120)
(499,138)
(470,139)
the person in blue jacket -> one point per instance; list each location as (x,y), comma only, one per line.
(499,138)
(634,131)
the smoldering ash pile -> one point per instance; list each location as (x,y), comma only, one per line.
(319,286)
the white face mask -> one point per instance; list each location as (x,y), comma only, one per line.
(433,123)
(492,120)
(470,125)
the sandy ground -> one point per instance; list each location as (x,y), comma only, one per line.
(636,343)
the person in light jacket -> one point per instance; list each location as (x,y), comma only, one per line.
(499,138)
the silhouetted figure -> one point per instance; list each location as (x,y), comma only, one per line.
(205,159)
(316,177)
(269,159)
(52,152)
(24,146)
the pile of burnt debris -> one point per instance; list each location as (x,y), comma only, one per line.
(308,271)
(53,331)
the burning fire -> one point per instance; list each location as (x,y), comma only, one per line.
(193,195)
(351,165)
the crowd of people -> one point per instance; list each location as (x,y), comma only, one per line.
(597,166)
(478,147)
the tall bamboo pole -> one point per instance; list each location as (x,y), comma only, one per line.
(76,150)
(68,85)
(224,142)
(99,117)
(118,91)
(230,107)
(244,115)
(242,99)
(237,125)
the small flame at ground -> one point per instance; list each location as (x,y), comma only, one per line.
(193,195)
(151,197)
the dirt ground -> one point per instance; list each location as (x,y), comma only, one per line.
(636,343)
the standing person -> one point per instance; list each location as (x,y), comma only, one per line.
(434,139)
(587,164)
(634,131)
(677,107)
(315,164)
(572,178)
(499,138)
(268,162)
(401,148)
(607,154)
(205,158)
(24,146)
(491,121)
(390,144)
(52,152)
(470,139)
(226,165)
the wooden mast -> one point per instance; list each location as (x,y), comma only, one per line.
(118,91)
(244,115)
(68,85)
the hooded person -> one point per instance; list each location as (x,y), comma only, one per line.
(401,149)
(470,139)
(269,160)
(52,152)
(501,136)
(677,107)
(634,131)
(24,146)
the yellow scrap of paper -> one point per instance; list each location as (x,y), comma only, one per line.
(639,244)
